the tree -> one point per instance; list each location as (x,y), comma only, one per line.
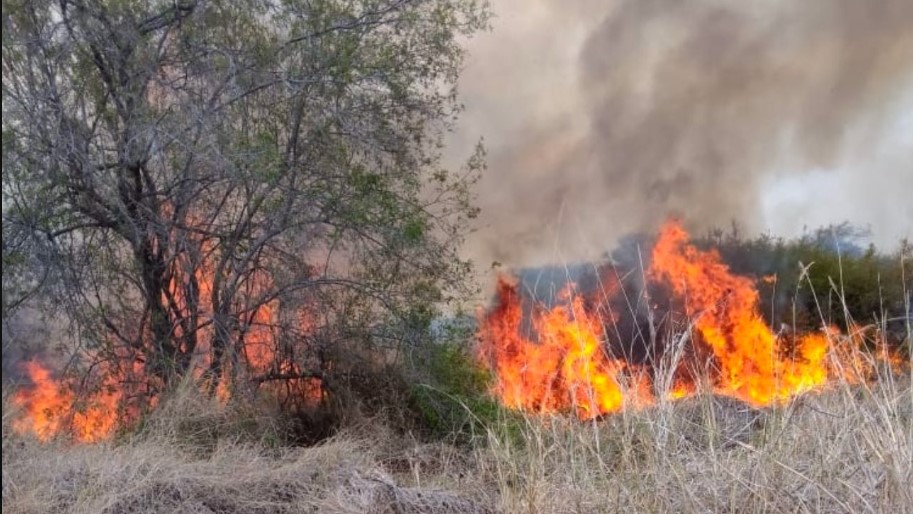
(232,188)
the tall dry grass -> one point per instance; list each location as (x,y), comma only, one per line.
(195,455)
(849,449)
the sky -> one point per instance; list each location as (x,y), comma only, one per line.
(605,118)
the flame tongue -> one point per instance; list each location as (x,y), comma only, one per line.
(726,312)
(565,370)
(556,363)
(51,408)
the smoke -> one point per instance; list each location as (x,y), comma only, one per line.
(605,119)
(26,336)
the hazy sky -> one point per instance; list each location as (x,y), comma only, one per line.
(605,117)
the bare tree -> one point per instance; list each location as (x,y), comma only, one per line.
(196,181)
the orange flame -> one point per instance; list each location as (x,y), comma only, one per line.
(565,370)
(258,338)
(51,409)
(728,318)
(552,360)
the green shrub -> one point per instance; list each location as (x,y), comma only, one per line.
(453,401)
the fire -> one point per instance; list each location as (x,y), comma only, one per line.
(259,330)
(549,360)
(725,307)
(546,358)
(565,370)
(51,409)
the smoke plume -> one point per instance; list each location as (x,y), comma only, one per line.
(602,119)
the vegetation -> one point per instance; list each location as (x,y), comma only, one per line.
(824,276)
(233,218)
(233,190)
(848,449)
(453,401)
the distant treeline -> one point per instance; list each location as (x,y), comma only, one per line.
(824,274)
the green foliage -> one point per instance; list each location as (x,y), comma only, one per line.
(454,401)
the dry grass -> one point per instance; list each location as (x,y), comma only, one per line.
(204,461)
(849,449)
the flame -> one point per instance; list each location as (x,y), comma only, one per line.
(679,391)
(726,309)
(259,336)
(546,359)
(51,409)
(549,360)
(565,370)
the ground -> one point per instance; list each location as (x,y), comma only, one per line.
(847,449)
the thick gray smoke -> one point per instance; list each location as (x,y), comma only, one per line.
(605,119)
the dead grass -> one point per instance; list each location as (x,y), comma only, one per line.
(179,464)
(849,449)
(846,450)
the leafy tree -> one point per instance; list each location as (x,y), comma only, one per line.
(189,179)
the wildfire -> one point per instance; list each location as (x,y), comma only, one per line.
(725,307)
(51,408)
(546,358)
(567,369)
(553,359)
